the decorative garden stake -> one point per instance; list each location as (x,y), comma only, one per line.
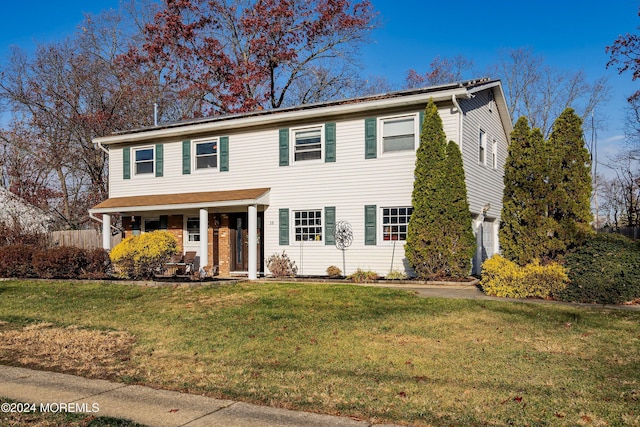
(344,237)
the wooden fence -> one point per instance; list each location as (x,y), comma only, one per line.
(85,239)
(631,232)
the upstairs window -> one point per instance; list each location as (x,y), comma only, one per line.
(307,144)
(399,134)
(395,222)
(144,158)
(206,155)
(494,154)
(308,225)
(482,147)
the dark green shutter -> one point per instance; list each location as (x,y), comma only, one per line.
(126,163)
(284,147)
(186,157)
(371,149)
(329,225)
(370,224)
(284,227)
(159,159)
(330,142)
(164,222)
(224,154)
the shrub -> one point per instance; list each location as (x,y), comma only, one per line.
(15,260)
(98,264)
(396,275)
(605,270)
(144,255)
(62,262)
(333,271)
(281,266)
(504,278)
(363,276)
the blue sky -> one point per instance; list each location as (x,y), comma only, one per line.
(570,35)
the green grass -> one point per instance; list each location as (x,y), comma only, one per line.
(372,353)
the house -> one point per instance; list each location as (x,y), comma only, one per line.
(242,187)
(17,211)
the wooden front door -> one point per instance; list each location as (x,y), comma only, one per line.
(239,242)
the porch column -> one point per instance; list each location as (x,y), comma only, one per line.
(106,232)
(253,242)
(204,238)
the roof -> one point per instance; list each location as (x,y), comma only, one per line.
(371,104)
(184,200)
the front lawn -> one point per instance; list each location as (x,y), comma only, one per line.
(371,353)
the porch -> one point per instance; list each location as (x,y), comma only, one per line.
(224,228)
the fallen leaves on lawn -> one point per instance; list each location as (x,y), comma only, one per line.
(85,352)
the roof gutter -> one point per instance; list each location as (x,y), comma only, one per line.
(95,218)
(275,117)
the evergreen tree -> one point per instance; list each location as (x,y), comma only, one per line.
(570,179)
(437,238)
(525,225)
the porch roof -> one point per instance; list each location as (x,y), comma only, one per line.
(208,199)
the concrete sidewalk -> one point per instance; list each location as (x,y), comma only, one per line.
(148,406)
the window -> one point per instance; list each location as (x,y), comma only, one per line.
(482,147)
(193,229)
(395,222)
(307,144)
(494,154)
(308,225)
(398,134)
(144,160)
(151,224)
(206,156)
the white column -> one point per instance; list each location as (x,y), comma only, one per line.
(204,238)
(253,242)
(106,232)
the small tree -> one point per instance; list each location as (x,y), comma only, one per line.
(439,238)
(144,255)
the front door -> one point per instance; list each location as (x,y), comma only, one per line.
(239,242)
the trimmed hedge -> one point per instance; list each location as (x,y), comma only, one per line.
(504,278)
(605,270)
(29,261)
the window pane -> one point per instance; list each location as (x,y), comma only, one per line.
(151,224)
(146,154)
(399,217)
(144,167)
(308,225)
(206,162)
(398,127)
(205,148)
(305,137)
(308,144)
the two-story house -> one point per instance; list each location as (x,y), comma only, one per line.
(241,187)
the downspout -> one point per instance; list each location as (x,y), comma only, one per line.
(454,99)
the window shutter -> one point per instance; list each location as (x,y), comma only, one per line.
(224,154)
(126,163)
(370,139)
(284,147)
(370,224)
(330,142)
(329,225)
(284,227)
(159,159)
(186,157)
(164,222)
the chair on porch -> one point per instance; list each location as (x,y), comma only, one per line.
(173,266)
(189,259)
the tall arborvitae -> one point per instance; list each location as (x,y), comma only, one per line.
(434,245)
(459,232)
(525,224)
(570,179)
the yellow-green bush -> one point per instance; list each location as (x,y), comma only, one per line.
(143,255)
(504,278)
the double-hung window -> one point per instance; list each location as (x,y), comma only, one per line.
(206,154)
(398,133)
(494,154)
(482,147)
(144,158)
(308,225)
(395,221)
(193,229)
(307,143)
(151,224)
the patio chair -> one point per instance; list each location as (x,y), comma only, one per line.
(189,259)
(173,266)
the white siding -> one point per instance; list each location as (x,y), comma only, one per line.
(348,185)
